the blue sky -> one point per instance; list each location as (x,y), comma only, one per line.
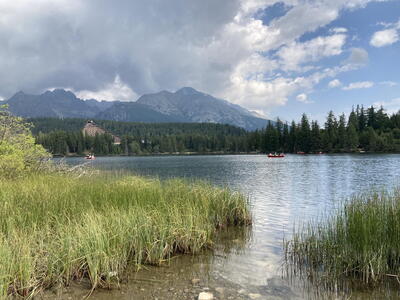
(381,70)
(277,58)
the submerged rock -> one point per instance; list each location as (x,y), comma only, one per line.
(254,296)
(206,296)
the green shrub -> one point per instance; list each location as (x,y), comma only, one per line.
(19,154)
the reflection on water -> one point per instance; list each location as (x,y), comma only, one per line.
(283,192)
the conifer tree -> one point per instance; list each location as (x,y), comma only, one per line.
(304,134)
(315,137)
(341,132)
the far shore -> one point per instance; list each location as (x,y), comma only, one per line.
(214,153)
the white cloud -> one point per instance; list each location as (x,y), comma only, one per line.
(295,54)
(338,30)
(303,98)
(334,83)
(359,85)
(384,37)
(391,106)
(254,94)
(358,57)
(257,93)
(115,91)
(388,83)
(395,25)
(256,67)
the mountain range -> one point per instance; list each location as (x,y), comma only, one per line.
(185,105)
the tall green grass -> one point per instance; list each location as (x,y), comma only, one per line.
(360,242)
(57,228)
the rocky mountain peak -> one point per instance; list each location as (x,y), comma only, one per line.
(60,93)
(187,91)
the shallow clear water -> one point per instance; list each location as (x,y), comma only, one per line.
(283,192)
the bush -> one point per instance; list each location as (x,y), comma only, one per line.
(11,160)
(18,152)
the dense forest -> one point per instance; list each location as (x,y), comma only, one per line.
(371,130)
(65,137)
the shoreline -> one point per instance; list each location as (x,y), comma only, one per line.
(225,153)
(123,222)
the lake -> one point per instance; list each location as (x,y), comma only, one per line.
(283,192)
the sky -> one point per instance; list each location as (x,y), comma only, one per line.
(278,58)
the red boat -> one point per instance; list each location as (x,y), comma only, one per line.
(276,155)
(90,156)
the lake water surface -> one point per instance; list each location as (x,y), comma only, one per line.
(283,192)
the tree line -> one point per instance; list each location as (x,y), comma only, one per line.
(370,129)
(47,125)
(138,138)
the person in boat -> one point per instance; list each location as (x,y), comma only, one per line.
(90,156)
(276,155)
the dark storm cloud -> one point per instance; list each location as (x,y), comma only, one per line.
(84,44)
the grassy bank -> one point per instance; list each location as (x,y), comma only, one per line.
(56,228)
(361,242)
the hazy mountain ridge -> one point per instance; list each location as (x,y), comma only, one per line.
(136,112)
(57,104)
(185,105)
(196,106)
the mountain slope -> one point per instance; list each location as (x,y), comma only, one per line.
(136,112)
(194,106)
(58,104)
(185,105)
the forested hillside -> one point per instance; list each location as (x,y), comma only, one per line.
(371,130)
(65,136)
(47,125)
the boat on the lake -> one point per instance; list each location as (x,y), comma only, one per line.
(90,156)
(276,155)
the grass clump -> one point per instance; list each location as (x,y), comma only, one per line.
(56,228)
(360,242)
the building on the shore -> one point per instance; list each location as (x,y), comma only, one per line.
(91,129)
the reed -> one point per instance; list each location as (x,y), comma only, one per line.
(360,242)
(57,228)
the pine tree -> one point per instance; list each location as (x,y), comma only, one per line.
(286,138)
(372,140)
(362,120)
(353,120)
(293,137)
(315,137)
(279,128)
(371,118)
(341,132)
(330,134)
(382,119)
(351,138)
(304,134)
(271,139)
